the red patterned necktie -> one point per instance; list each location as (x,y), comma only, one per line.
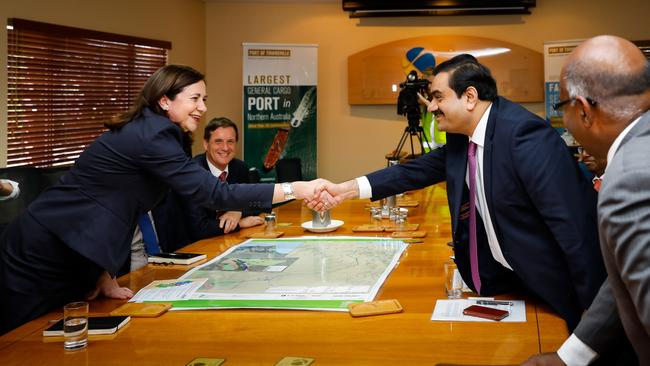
(222,176)
(473,250)
(597,181)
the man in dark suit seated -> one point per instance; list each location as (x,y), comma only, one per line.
(172,230)
(522,212)
(220,139)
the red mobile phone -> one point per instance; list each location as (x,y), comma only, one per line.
(485,312)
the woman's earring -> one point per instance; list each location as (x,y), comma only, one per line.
(165,107)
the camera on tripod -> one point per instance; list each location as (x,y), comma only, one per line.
(408,105)
(407,101)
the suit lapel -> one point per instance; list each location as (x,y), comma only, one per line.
(203,161)
(488,150)
(456,168)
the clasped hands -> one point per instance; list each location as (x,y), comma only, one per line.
(321,195)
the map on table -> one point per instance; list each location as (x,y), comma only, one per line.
(314,273)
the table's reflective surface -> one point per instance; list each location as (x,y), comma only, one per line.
(262,337)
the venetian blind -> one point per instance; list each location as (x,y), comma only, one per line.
(64,82)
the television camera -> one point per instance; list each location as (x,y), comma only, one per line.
(408,105)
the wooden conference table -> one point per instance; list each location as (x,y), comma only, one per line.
(262,337)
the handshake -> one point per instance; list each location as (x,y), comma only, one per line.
(322,195)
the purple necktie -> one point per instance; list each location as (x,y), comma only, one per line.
(473,251)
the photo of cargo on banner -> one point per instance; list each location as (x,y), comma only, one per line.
(280,91)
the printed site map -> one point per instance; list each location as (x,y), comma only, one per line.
(315,273)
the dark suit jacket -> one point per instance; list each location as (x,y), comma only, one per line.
(202,222)
(542,209)
(122,175)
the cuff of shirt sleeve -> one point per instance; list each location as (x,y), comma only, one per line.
(365,191)
(574,352)
(15,189)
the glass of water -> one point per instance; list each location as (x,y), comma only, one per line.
(270,223)
(453,281)
(75,325)
(375,216)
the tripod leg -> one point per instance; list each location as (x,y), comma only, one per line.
(419,132)
(422,136)
(400,145)
(411,140)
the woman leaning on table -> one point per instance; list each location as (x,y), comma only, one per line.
(65,245)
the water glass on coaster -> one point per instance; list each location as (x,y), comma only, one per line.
(392,214)
(270,223)
(375,216)
(75,325)
(401,217)
(321,219)
(453,281)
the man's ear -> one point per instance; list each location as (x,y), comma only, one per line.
(205,145)
(585,111)
(472,98)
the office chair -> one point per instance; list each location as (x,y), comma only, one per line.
(29,181)
(32,181)
(254,175)
(52,176)
(288,170)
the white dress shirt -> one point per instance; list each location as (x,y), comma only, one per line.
(478,137)
(216,171)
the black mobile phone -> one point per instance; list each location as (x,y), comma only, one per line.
(96,325)
(176,258)
(177,255)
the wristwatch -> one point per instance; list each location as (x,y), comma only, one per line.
(288,191)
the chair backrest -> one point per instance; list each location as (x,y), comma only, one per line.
(254,175)
(288,170)
(32,181)
(29,182)
(52,176)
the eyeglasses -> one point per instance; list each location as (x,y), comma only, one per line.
(560,104)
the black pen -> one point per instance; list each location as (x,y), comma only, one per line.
(494,302)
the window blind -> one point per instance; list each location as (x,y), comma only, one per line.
(64,83)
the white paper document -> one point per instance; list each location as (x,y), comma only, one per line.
(168,290)
(452,310)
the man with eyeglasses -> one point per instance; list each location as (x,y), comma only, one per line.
(606,86)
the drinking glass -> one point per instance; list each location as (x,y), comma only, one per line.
(453,281)
(75,325)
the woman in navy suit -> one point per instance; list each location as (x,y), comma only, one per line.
(76,236)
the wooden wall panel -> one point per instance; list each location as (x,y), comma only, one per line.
(373,72)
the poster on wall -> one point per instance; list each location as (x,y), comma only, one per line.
(555,54)
(280,89)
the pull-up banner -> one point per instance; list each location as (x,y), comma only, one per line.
(280,84)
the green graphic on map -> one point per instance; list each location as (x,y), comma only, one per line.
(304,273)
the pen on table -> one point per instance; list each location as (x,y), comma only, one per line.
(494,302)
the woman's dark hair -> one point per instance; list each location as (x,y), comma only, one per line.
(465,71)
(167,81)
